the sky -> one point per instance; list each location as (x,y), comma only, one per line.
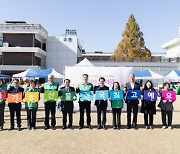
(99,23)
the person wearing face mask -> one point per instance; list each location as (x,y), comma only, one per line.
(31,108)
(101,104)
(166,107)
(132,104)
(2,104)
(67,106)
(15,106)
(50,106)
(148,107)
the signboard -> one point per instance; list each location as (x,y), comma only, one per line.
(102,94)
(150,95)
(2,95)
(68,96)
(31,97)
(14,97)
(116,95)
(133,94)
(169,95)
(50,95)
(86,95)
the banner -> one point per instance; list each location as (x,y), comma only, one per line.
(68,96)
(116,95)
(31,97)
(169,95)
(133,94)
(150,95)
(14,97)
(2,95)
(102,94)
(86,95)
(50,95)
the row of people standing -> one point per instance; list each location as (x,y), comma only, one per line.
(148,107)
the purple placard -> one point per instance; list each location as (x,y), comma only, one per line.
(169,95)
(150,95)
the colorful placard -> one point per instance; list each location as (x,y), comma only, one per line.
(150,95)
(2,95)
(102,95)
(133,94)
(169,95)
(31,97)
(50,95)
(117,104)
(68,96)
(86,95)
(116,94)
(14,97)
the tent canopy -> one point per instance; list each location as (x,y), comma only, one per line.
(41,73)
(4,75)
(174,74)
(147,74)
(84,62)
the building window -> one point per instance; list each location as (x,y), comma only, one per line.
(37,61)
(37,43)
(1,41)
(44,46)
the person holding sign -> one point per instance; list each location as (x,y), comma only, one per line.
(84,104)
(3,90)
(148,106)
(31,105)
(117,105)
(50,90)
(14,100)
(67,94)
(101,102)
(166,105)
(132,88)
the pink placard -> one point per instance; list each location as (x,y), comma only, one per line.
(169,95)
(2,95)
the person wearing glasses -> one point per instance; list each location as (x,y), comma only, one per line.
(15,106)
(84,86)
(2,104)
(50,105)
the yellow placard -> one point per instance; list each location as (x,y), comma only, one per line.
(31,96)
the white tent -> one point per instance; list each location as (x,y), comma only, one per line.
(174,74)
(84,62)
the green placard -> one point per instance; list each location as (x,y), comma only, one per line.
(68,96)
(50,95)
(117,104)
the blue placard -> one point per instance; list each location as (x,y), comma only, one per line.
(102,95)
(86,95)
(116,94)
(133,94)
(150,95)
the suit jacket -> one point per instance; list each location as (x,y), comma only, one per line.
(64,89)
(128,87)
(101,102)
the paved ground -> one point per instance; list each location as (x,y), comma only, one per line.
(92,141)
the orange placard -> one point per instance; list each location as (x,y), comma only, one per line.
(14,97)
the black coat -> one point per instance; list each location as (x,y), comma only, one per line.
(101,102)
(63,89)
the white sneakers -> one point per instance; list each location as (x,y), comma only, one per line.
(164,127)
(169,127)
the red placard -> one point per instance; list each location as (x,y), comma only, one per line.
(2,95)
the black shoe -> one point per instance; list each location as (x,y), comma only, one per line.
(89,126)
(114,127)
(64,127)
(119,127)
(11,128)
(28,128)
(104,127)
(33,128)
(53,128)
(19,129)
(46,127)
(99,127)
(69,126)
(80,127)
(128,127)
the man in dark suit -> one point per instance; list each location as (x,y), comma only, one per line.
(101,104)
(132,104)
(67,106)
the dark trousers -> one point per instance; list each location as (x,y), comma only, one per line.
(150,119)
(116,115)
(130,106)
(169,114)
(82,106)
(15,107)
(50,107)
(2,106)
(31,117)
(67,108)
(101,109)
